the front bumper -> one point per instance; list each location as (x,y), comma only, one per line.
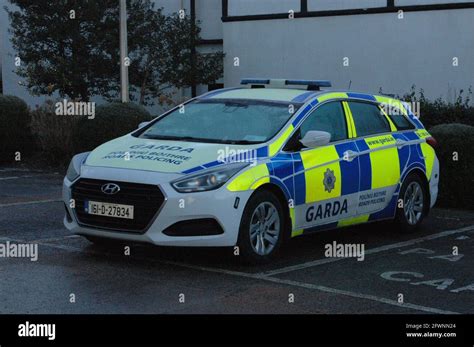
(219,205)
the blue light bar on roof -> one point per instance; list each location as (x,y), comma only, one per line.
(255,81)
(281,83)
(313,83)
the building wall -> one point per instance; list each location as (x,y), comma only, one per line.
(383,51)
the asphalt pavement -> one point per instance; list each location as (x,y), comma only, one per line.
(430,271)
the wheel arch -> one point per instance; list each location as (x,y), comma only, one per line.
(426,185)
(279,193)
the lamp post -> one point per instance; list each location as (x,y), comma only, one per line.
(123,51)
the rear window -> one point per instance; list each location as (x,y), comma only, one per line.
(398,118)
(368,119)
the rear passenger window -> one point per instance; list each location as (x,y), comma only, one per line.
(368,119)
(398,118)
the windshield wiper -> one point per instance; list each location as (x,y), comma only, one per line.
(242,142)
(179,138)
(198,139)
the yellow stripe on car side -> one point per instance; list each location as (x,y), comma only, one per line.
(385,162)
(392,126)
(250,179)
(428,154)
(314,177)
(351,130)
(391,102)
(328,96)
(274,147)
(423,134)
(352,221)
(298,232)
(427,150)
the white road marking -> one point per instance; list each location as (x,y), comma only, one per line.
(27,176)
(54,239)
(29,202)
(370,251)
(272,279)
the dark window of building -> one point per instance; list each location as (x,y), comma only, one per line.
(211,87)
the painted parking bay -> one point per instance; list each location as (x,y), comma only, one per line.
(435,272)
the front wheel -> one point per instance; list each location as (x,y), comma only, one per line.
(414,204)
(262,228)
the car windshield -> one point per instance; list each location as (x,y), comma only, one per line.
(222,121)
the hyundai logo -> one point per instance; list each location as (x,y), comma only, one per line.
(110,188)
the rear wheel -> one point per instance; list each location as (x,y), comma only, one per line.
(414,208)
(262,228)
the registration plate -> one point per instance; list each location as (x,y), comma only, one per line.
(109,210)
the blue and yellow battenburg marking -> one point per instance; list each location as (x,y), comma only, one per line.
(381,163)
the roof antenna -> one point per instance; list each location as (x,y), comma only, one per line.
(350,84)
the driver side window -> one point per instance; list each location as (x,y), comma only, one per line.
(328,117)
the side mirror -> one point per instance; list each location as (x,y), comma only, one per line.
(316,138)
(143,124)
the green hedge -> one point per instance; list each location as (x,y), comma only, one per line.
(441,112)
(15,133)
(111,121)
(53,133)
(456,186)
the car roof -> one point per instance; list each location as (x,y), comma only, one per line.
(268,94)
(289,95)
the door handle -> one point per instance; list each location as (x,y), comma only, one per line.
(401,143)
(349,155)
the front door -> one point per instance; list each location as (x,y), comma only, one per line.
(327,178)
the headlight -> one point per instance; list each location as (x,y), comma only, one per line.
(72,174)
(74,169)
(209,180)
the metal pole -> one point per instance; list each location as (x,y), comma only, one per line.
(123,51)
(193,48)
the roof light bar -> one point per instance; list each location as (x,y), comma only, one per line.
(310,84)
(254,81)
(314,83)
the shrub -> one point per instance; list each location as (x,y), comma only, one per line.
(456,186)
(15,134)
(53,133)
(111,121)
(441,112)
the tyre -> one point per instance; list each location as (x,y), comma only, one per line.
(262,228)
(415,204)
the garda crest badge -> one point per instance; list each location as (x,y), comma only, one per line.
(329,180)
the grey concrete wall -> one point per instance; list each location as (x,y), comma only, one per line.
(383,50)
(209,13)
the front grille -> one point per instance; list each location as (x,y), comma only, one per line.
(146,199)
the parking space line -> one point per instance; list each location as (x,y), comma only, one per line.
(54,239)
(368,252)
(274,280)
(27,176)
(29,202)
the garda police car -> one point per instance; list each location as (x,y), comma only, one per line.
(254,166)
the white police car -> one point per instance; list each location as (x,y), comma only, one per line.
(253,166)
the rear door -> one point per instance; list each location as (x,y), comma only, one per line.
(326,178)
(378,157)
